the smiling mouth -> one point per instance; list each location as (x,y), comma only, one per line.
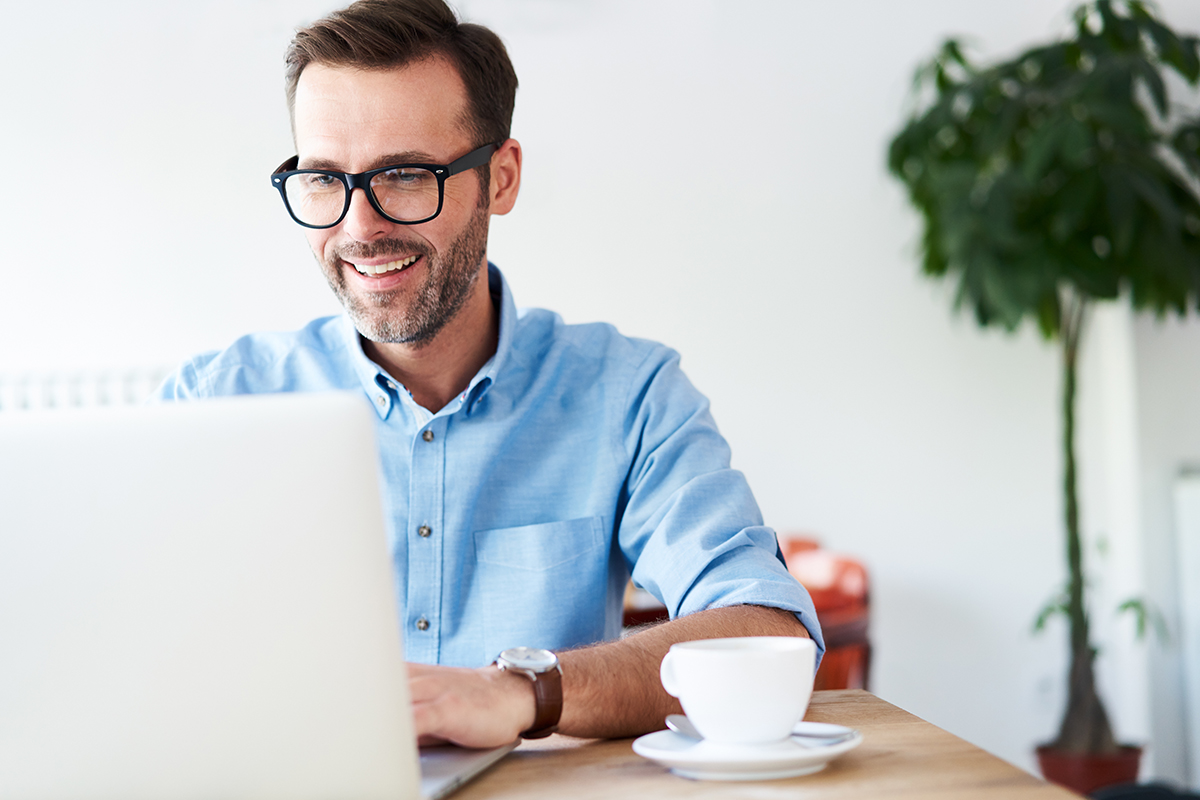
(380,269)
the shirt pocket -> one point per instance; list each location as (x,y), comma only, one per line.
(542,585)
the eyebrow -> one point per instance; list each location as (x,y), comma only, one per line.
(390,160)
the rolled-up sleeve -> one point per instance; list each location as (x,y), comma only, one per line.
(691,528)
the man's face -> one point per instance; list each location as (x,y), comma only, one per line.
(399,283)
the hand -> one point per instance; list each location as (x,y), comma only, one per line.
(483,707)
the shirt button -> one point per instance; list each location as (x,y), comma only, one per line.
(381,400)
(424,531)
(422,624)
(427,436)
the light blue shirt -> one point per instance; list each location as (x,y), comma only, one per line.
(518,512)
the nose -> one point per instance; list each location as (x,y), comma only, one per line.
(362,221)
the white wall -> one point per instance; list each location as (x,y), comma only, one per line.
(1169,427)
(710,174)
(1186,509)
(1111,518)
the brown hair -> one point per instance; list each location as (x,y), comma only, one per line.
(383,34)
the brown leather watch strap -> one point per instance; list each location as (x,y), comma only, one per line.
(547,696)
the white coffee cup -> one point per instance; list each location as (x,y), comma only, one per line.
(749,690)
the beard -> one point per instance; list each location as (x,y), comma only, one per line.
(450,276)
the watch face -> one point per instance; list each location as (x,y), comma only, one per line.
(530,658)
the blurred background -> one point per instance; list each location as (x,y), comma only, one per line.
(706,173)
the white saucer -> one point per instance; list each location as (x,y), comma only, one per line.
(707,761)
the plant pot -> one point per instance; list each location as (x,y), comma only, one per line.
(1086,772)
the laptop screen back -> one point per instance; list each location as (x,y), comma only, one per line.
(196,601)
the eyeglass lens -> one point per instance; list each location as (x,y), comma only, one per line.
(405,194)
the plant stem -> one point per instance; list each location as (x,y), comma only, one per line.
(1085,727)
(1072,329)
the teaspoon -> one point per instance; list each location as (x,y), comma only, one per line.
(825,735)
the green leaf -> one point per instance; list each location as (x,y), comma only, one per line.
(1043,144)
(1145,615)
(952,51)
(1049,315)
(1057,605)
(1091,275)
(1189,60)
(1154,84)
(1186,144)
(1002,125)
(941,79)
(1121,207)
(1150,188)
(1081,22)
(1075,205)
(1077,144)
(999,292)
(1121,33)
(1107,18)
(1178,53)
(1119,119)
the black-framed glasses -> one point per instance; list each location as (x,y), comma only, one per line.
(407,194)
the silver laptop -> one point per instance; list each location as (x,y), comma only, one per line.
(196,601)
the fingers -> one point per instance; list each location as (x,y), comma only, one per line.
(472,708)
(435,703)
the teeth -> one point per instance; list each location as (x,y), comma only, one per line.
(367,269)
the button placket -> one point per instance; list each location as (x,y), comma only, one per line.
(426,567)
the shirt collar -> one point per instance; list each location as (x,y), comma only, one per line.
(375,381)
(502,296)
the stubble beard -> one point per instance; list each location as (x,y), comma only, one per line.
(449,279)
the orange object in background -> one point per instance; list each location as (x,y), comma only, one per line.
(840,591)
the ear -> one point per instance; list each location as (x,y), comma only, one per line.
(506,176)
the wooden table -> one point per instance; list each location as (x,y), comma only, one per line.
(901,756)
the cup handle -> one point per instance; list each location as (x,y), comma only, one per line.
(666,674)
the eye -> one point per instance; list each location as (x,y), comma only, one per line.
(318,182)
(403,178)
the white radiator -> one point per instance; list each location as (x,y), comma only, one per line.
(1187,533)
(78,389)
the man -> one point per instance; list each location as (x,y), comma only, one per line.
(531,466)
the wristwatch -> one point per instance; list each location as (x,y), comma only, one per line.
(541,667)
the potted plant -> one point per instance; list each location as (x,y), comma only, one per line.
(1057,179)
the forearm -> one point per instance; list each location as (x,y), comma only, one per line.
(613,690)
(610,690)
